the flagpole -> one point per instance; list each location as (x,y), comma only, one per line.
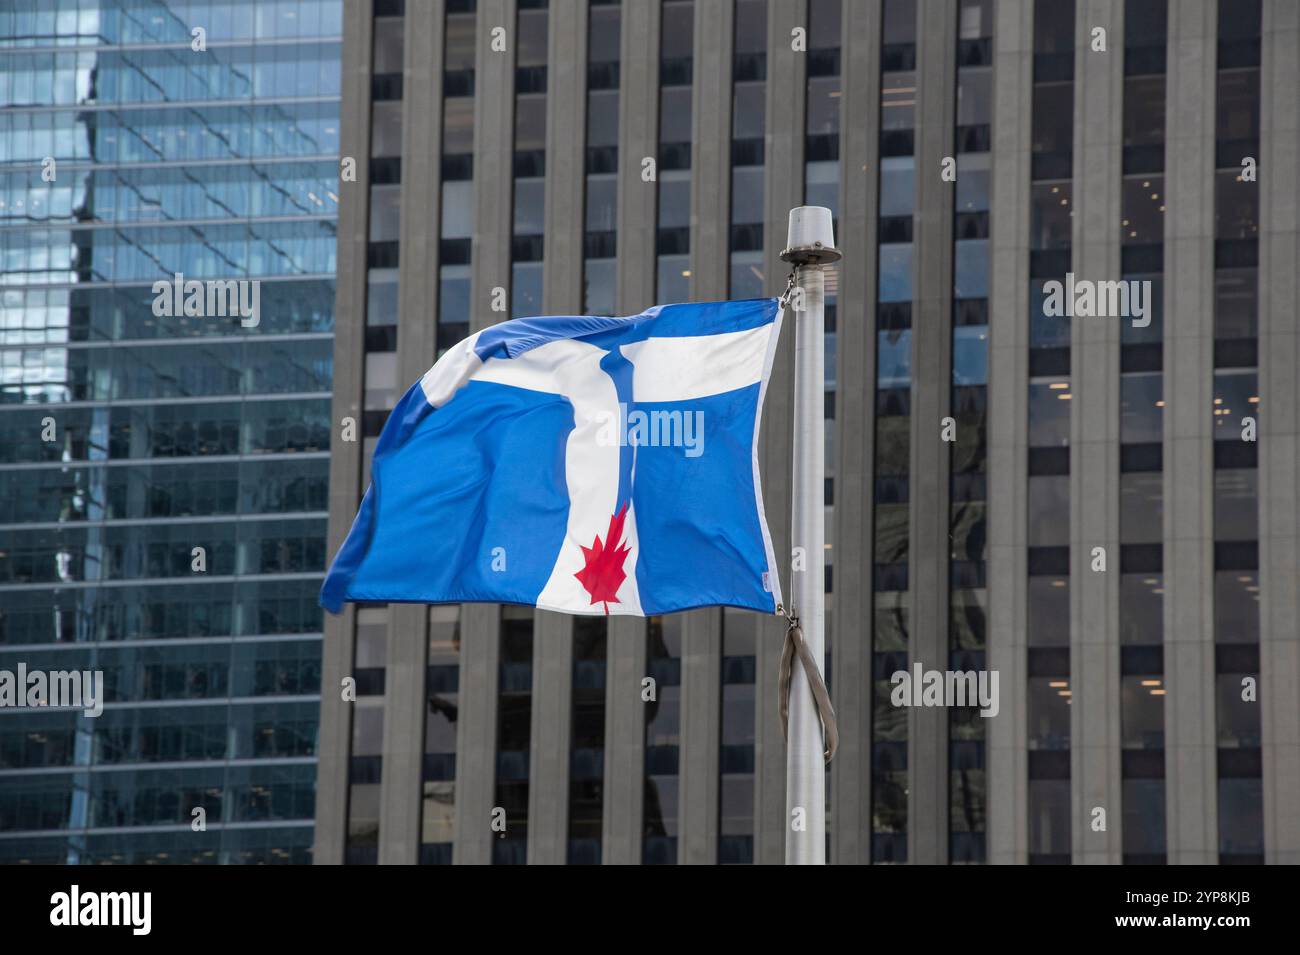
(810,246)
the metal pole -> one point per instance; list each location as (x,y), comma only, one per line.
(811,245)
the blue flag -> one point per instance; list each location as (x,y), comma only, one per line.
(579,464)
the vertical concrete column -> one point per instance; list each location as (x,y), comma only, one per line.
(852,615)
(552,731)
(931,458)
(1007,777)
(566,150)
(1094,439)
(476,734)
(345,460)
(404,708)
(552,700)
(408,624)
(422,67)
(711,150)
(697,841)
(701,723)
(1279,435)
(783,189)
(638,140)
(494,143)
(624,806)
(625,650)
(1190,738)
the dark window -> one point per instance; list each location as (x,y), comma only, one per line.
(1050,215)
(1049,712)
(1053,130)
(1141,609)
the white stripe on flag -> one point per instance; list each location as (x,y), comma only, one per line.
(679,369)
(572,369)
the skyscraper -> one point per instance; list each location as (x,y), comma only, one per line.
(1100,507)
(164,466)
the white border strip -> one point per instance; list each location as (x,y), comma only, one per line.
(773,576)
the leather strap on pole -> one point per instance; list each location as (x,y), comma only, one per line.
(795,644)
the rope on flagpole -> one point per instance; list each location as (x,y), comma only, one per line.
(795,644)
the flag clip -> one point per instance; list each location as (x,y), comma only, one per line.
(784,300)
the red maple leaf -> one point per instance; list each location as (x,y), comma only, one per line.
(603,574)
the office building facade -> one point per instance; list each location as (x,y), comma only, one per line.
(1101,509)
(164,470)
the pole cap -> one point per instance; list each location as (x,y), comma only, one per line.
(811,239)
